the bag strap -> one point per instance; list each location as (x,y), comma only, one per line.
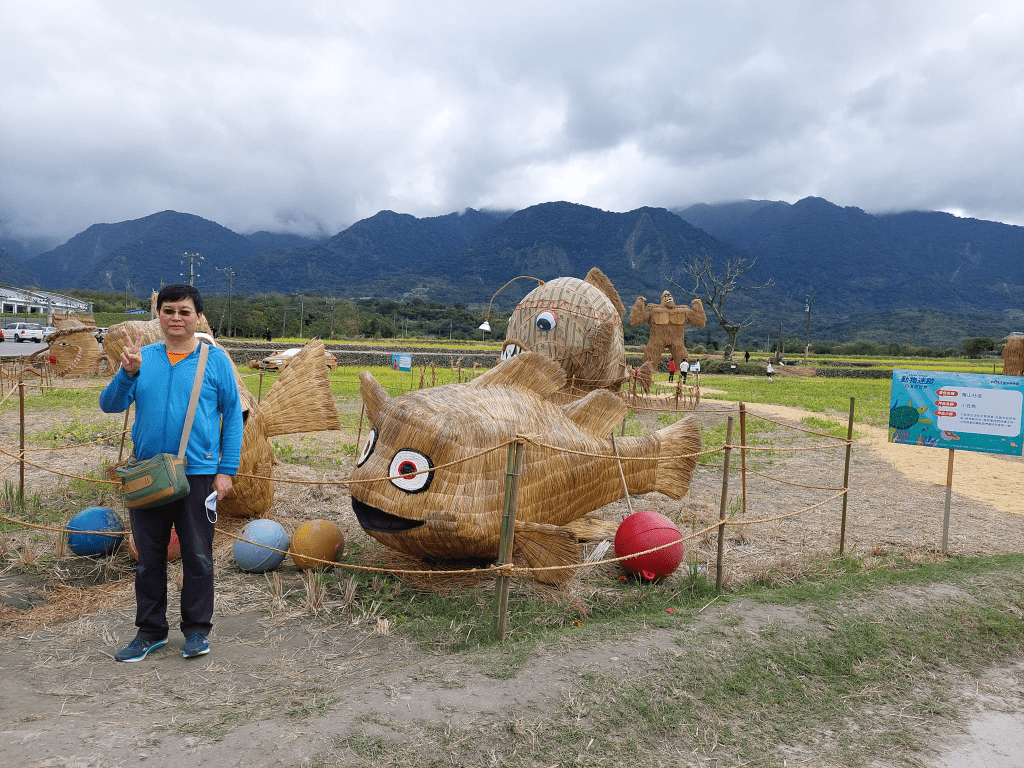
(193,401)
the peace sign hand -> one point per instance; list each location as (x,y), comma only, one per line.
(131,356)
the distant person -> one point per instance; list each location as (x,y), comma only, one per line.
(671,370)
(268,335)
(746,357)
(684,368)
(695,368)
(770,371)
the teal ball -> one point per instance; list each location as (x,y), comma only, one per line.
(252,554)
(100,544)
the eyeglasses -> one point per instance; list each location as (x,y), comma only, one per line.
(170,312)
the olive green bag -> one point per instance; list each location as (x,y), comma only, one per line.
(161,479)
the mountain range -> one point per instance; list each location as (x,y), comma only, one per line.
(910,271)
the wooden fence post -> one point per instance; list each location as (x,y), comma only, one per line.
(513,469)
(720,570)
(21,443)
(846,477)
(743,455)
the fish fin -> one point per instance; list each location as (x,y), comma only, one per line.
(599,280)
(598,413)
(544,546)
(301,399)
(374,396)
(593,528)
(530,372)
(678,449)
(645,376)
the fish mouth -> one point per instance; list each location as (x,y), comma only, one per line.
(372,519)
(513,348)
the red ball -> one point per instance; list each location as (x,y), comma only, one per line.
(645,530)
(173,549)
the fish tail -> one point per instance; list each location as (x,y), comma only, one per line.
(301,399)
(678,453)
(645,376)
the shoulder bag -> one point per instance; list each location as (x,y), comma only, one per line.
(161,479)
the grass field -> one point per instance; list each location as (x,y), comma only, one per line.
(856,662)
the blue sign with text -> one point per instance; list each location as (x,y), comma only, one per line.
(959,411)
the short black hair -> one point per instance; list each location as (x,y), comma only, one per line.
(177,292)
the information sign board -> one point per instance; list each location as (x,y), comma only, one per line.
(401,362)
(959,411)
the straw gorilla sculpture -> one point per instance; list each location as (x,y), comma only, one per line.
(668,326)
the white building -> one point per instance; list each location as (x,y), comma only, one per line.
(23,302)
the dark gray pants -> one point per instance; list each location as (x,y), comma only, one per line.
(151,529)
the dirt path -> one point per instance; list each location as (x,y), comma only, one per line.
(997,481)
(283,688)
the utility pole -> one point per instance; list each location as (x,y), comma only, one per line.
(332,303)
(810,303)
(302,316)
(230,274)
(192,259)
(127,287)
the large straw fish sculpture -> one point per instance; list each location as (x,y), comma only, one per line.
(577,323)
(430,479)
(299,401)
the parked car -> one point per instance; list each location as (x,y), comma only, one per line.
(47,330)
(1,334)
(22,331)
(280,361)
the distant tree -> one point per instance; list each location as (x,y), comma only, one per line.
(978,346)
(712,284)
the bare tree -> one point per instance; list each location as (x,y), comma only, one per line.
(712,285)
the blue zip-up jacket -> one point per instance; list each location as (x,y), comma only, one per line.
(161,392)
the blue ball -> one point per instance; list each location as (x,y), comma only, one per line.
(95,544)
(252,554)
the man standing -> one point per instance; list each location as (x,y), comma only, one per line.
(671,369)
(684,368)
(158,379)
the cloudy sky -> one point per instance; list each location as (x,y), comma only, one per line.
(311,115)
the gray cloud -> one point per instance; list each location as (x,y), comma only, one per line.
(309,116)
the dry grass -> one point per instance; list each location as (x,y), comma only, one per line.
(889,515)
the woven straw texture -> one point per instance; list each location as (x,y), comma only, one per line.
(569,467)
(667,322)
(76,351)
(299,401)
(583,322)
(1013,356)
(120,335)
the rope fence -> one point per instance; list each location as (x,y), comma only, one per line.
(502,570)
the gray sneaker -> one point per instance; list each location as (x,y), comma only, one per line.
(138,649)
(195,645)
